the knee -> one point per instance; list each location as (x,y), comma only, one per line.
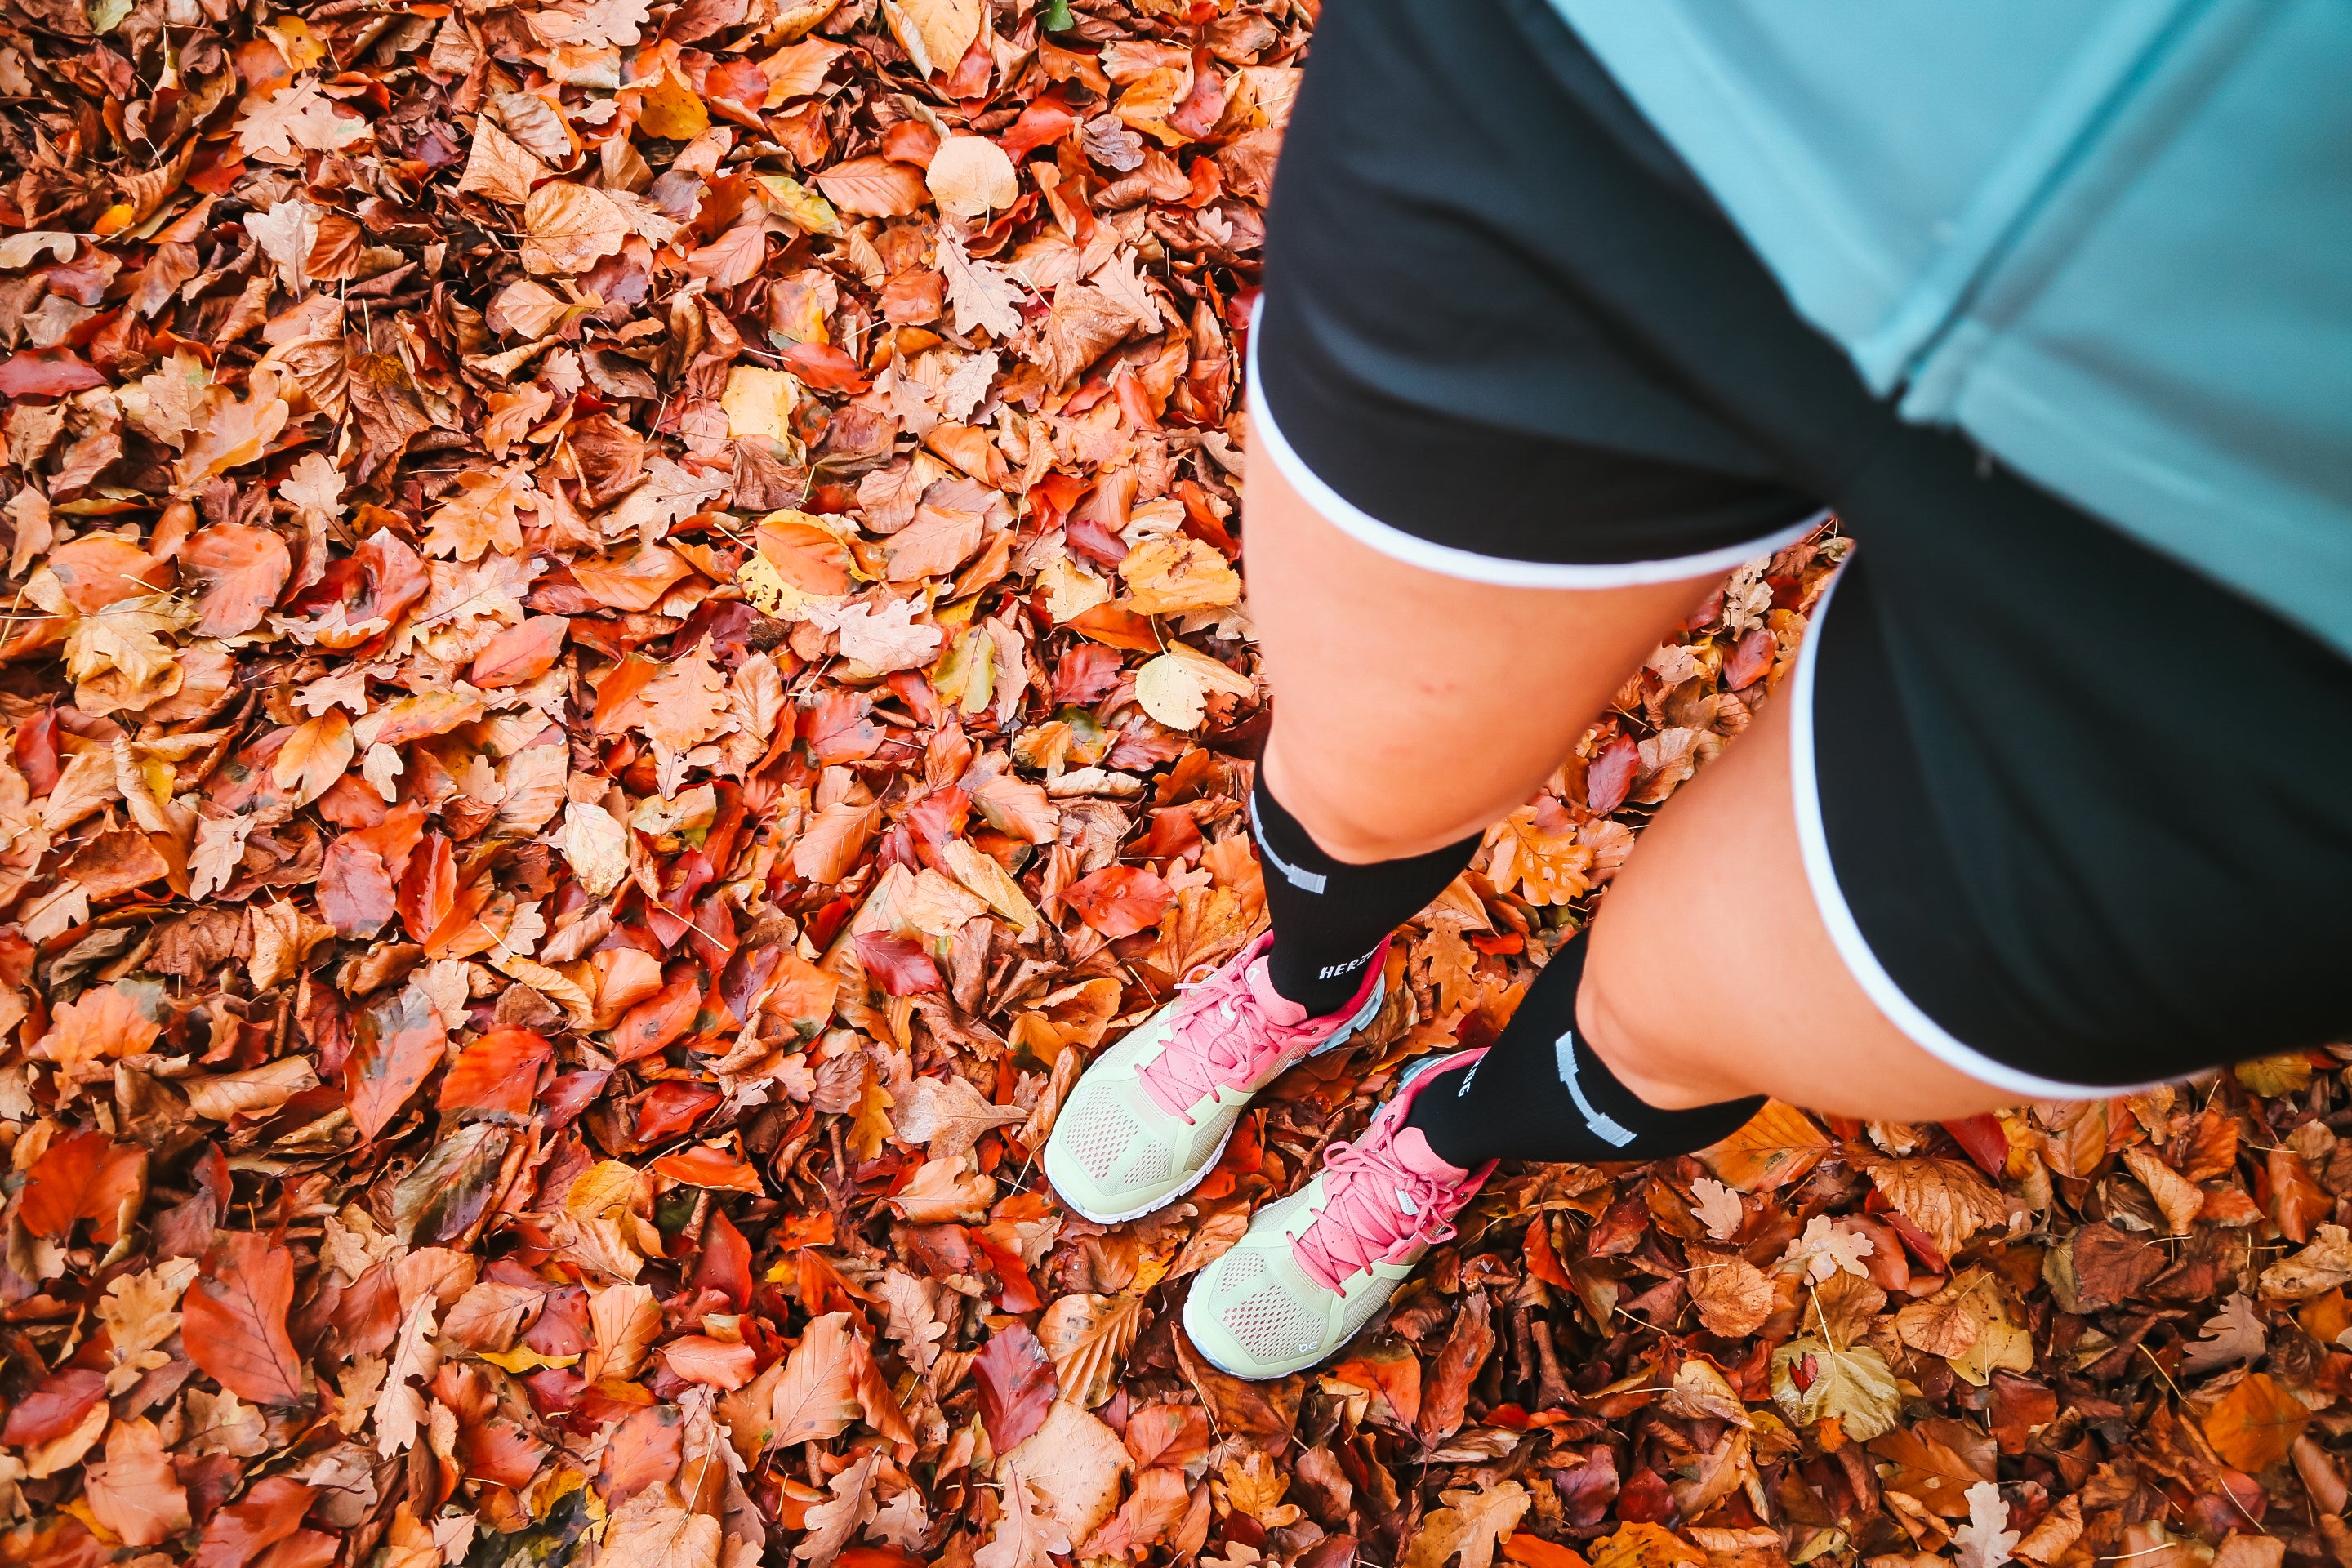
(1630,1013)
(1362,826)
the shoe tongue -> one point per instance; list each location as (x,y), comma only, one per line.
(1279,1009)
(1413,1152)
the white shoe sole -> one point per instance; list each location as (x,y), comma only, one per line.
(1340,1037)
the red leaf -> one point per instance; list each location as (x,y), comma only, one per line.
(85,1175)
(899,966)
(838,731)
(724,1262)
(355,892)
(268,1514)
(398,1042)
(1751,659)
(655,1022)
(55,1408)
(669,1108)
(428,887)
(1046,119)
(824,367)
(1984,1140)
(496,1076)
(520,653)
(49,373)
(1611,776)
(241,571)
(234,1325)
(1119,901)
(1016,1385)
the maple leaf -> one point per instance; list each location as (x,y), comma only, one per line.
(2236,1333)
(947,1116)
(299,116)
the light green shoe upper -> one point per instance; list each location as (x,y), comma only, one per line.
(1255,1313)
(1317,1266)
(1119,1150)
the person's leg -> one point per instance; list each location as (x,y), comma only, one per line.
(1708,981)
(1392,678)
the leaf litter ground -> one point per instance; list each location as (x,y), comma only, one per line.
(625,649)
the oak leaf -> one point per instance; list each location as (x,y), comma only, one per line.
(1025,1535)
(1469,1527)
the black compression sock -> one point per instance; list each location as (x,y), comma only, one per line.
(1329,916)
(1541,1094)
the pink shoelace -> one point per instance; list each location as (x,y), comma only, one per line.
(1375,1208)
(1222,1036)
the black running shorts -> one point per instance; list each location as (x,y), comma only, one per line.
(2078,817)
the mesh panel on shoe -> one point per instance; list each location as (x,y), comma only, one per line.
(1104,1131)
(1152,1165)
(1270,1324)
(1240,1270)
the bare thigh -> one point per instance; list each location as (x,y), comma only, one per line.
(1413,708)
(1712,975)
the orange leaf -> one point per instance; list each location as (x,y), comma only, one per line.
(234,1319)
(239,572)
(1535,1551)
(818,1396)
(1542,1261)
(85,1175)
(874,187)
(1777,1147)
(497,1076)
(1119,901)
(397,1043)
(2254,1425)
(520,653)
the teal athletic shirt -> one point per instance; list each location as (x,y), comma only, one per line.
(2109,239)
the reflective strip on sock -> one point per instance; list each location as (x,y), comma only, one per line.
(1605,1127)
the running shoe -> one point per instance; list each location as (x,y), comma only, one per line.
(1153,1113)
(1314,1269)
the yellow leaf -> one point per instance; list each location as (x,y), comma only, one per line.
(670,110)
(760,403)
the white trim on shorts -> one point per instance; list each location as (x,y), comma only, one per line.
(1845,934)
(1469,565)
